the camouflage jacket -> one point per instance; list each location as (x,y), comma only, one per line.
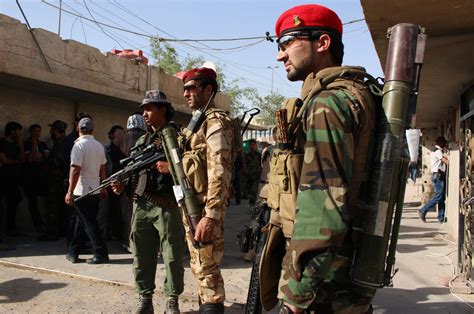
(253,164)
(316,265)
(214,140)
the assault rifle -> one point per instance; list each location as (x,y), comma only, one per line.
(142,157)
(252,238)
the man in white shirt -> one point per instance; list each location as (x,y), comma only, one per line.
(87,170)
(439,164)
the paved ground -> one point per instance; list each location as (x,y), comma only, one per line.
(36,278)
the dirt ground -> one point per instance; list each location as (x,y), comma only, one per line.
(30,291)
(36,278)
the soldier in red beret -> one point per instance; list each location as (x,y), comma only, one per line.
(210,152)
(337,125)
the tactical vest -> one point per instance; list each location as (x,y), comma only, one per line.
(195,160)
(155,187)
(286,163)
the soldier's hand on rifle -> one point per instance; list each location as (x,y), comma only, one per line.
(117,187)
(162,167)
(204,230)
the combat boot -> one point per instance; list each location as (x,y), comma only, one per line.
(172,305)
(211,308)
(145,304)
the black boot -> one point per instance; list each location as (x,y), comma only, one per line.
(145,305)
(211,308)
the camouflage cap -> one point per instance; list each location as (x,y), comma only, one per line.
(154,96)
(58,124)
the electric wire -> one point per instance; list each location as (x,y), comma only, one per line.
(95,21)
(235,64)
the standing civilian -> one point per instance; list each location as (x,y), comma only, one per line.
(136,127)
(35,173)
(110,222)
(12,155)
(54,214)
(438,178)
(87,170)
(68,143)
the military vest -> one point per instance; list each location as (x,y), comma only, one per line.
(286,162)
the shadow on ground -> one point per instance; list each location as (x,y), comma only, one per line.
(406,301)
(24,289)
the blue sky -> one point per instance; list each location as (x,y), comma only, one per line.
(200,19)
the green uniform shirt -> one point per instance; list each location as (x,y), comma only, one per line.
(322,214)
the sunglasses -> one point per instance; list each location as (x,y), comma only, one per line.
(190,87)
(285,41)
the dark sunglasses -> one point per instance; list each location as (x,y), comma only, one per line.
(190,87)
(285,41)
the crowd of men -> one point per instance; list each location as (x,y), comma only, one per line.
(313,180)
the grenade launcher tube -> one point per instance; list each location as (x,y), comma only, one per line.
(369,264)
(188,203)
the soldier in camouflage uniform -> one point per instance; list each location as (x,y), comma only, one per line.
(253,169)
(318,258)
(156,220)
(211,149)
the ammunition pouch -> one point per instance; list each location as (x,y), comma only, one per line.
(163,201)
(195,168)
(270,265)
(284,177)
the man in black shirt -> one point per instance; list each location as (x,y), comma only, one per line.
(35,173)
(12,154)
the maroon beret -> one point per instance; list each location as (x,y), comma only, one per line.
(199,73)
(308,16)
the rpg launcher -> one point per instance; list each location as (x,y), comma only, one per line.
(183,190)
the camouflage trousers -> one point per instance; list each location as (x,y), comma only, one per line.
(205,265)
(251,186)
(351,299)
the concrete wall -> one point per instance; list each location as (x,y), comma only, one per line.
(28,108)
(81,79)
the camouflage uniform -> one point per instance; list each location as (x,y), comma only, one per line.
(214,142)
(253,167)
(156,224)
(318,258)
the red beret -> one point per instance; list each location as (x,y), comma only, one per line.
(199,73)
(307,16)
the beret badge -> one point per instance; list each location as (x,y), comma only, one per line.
(296,20)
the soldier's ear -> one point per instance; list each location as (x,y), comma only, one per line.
(208,90)
(323,43)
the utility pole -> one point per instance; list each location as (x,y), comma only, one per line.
(59,22)
(272,68)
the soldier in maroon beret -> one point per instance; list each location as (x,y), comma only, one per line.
(210,151)
(318,251)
